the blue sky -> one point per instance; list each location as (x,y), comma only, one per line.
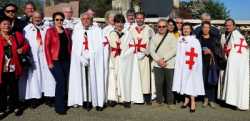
(239,9)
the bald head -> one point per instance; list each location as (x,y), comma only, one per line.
(37,18)
(86,20)
(68,12)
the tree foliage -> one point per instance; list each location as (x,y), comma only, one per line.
(99,6)
(216,9)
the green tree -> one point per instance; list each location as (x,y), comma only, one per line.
(216,9)
(213,7)
(99,6)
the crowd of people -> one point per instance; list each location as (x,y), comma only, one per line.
(76,63)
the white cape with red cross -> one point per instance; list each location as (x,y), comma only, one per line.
(40,80)
(188,77)
(87,51)
(236,83)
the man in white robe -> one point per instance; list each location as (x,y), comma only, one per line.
(234,89)
(143,34)
(130,19)
(40,79)
(124,79)
(69,21)
(87,74)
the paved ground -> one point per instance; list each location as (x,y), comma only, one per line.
(136,113)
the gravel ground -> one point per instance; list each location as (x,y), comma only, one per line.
(135,113)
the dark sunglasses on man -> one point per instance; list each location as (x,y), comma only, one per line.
(10,11)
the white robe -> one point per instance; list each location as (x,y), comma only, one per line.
(106,32)
(143,38)
(124,82)
(187,80)
(128,72)
(236,83)
(40,80)
(94,59)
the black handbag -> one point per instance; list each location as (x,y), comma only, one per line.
(25,59)
(213,73)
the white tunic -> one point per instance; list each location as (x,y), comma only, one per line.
(142,41)
(236,84)
(40,79)
(188,77)
(106,32)
(124,76)
(93,58)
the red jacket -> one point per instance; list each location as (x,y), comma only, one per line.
(52,44)
(15,60)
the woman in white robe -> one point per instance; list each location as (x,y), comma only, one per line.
(188,79)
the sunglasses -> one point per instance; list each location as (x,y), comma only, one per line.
(10,11)
(162,27)
(58,19)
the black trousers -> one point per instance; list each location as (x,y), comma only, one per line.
(60,71)
(163,83)
(9,95)
(210,90)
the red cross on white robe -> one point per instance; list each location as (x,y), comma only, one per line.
(117,50)
(106,43)
(132,45)
(241,45)
(140,45)
(86,43)
(191,55)
(226,49)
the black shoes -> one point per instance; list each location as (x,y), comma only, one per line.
(87,105)
(184,106)
(61,112)
(127,105)
(34,103)
(18,112)
(112,103)
(99,108)
(192,110)
(2,115)
(50,102)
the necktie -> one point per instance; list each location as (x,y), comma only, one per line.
(39,37)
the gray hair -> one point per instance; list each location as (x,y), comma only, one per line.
(85,14)
(162,20)
(205,15)
(109,13)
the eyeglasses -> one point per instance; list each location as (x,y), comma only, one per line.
(58,19)
(162,27)
(10,11)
